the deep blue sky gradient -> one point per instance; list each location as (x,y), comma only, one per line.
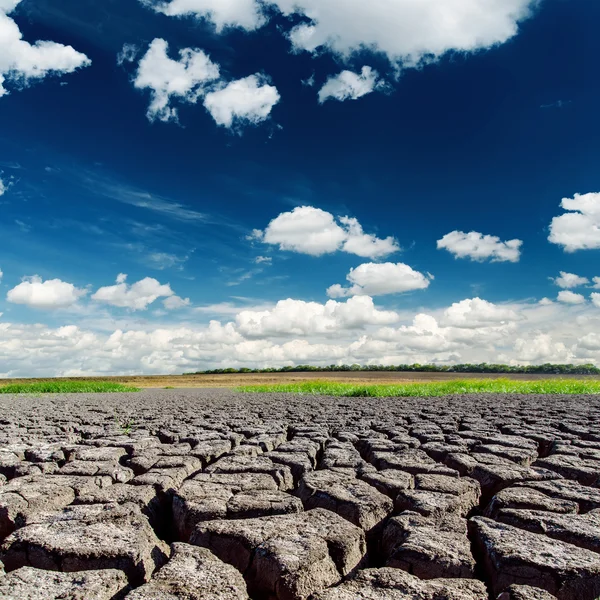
(461,144)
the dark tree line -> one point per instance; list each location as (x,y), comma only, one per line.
(545,369)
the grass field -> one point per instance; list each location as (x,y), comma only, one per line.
(446,388)
(237,380)
(65,387)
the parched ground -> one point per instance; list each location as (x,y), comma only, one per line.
(210,494)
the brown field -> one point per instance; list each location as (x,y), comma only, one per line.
(235,380)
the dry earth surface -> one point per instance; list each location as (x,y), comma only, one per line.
(211,494)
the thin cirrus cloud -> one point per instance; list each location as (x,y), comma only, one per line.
(22,62)
(579,227)
(348,85)
(312,231)
(479,247)
(51,294)
(246,101)
(406,32)
(379,279)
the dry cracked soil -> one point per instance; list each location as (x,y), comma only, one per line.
(211,494)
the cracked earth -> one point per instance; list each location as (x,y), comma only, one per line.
(211,494)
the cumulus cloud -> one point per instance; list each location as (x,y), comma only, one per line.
(348,85)
(295,332)
(578,229)
(542,348)
(309,230)
(49,294)
(137,296)
(296,317)
(375,279)
(570,280)
(175,302)
(570,297)
(475,312)
(222,13)
(479,247)
(596,283)
(406,31)
(595,298)
(263,259)
(245,101)
(21,62)
(184,79)
(3,187)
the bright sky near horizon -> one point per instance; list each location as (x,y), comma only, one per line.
(193,184)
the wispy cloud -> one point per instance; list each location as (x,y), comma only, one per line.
(142,199)
(557,104)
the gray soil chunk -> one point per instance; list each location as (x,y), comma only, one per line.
(21,501)
(228,495)
(495,473)
(525,592)
(85,538)
(515,556)
(394,584)
(193,573)
(27,583)
(411,461)
(585,471)
(259,464)
(579,530)
(417,545)
(528,498)
(388,481)
(287,557)
(346,496)
(588,498)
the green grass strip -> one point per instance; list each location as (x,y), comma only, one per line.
(446,388)
(66,387)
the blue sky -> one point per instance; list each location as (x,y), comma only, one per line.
(322,183)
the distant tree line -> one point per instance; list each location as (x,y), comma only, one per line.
(545,369)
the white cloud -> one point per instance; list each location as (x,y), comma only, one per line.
(570,297)
(222,13)
(135,297)
(479,247)
(22,62)
(175,302)
(570,280)
(245,101)
(374,279)
(128,53)
(309,230)
(406,31)
(263,259)
(294,332)
(1,275)
(546,302)
(348,85)
(596,282)
(542,348)
(595,298)
(296,317)
(184,79)
(475,312)
(49,294)
(578,229)
(3,187)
